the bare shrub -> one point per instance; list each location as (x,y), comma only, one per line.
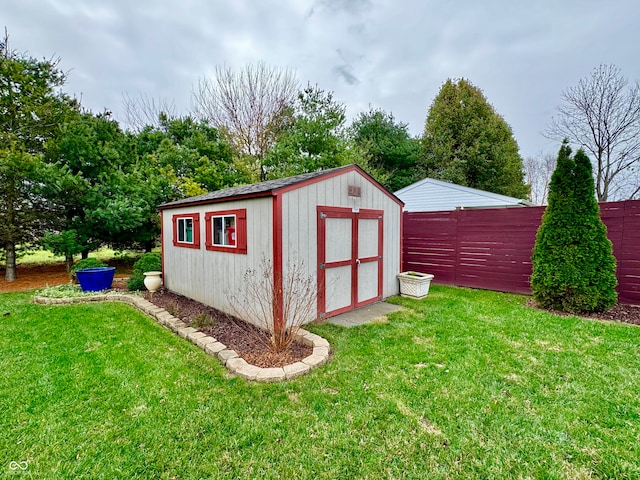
(279,305)
(202,320)
(173,309)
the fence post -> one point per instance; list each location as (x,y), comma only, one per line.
(456,267)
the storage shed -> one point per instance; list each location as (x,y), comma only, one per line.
(430,195)
(341,223)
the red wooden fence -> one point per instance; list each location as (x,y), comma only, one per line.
(491,248)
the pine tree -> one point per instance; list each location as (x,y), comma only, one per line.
(574,269)
(32,111)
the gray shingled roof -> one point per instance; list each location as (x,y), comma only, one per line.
(256,189)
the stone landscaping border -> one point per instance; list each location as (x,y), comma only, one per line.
(229,358)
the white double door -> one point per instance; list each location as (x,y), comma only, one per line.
(350,260)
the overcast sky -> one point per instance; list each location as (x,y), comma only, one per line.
(388,54)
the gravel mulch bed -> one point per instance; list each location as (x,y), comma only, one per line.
(618,313)
(248,341)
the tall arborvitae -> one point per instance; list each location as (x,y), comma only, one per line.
(573,264)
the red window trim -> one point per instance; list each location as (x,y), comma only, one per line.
(196,230)
(241,231)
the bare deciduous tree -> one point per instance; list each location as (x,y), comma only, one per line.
(4,44)
(249,106)
(538,171)
(601,114)
(143,111)
(278,305)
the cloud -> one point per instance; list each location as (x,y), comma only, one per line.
(390,54)
(344,71)
(352,7)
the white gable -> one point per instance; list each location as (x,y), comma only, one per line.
(434,195)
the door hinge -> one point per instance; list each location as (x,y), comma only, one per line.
(322,266)
(323,216)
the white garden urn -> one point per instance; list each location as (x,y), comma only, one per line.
(152,280)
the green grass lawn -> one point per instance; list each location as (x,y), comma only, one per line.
(464,384)
(45,257)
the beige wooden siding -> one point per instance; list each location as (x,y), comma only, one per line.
(300,223)
(208,276)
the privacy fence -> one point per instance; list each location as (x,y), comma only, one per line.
(491,248)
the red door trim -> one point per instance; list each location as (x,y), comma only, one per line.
(277,262)
(322,274)
(162,245)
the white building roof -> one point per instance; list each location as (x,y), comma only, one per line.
(429,195)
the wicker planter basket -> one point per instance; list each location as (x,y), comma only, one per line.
(414,284)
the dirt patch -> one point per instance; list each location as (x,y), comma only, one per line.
(31,276)
(34,276)
(248,341)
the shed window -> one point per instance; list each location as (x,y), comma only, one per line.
(227,231)
(186,230)
(224,231)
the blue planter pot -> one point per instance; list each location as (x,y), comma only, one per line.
(95,279)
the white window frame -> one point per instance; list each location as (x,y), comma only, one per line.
(222,232)
(184,229)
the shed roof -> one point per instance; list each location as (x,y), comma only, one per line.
(268,188)
(429,195)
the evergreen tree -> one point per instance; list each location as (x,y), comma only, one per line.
(31,112)
(388,147)
(191,155)
(466,142)
(311,139)
(574,269)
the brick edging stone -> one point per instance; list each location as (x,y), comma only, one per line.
(229,358)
